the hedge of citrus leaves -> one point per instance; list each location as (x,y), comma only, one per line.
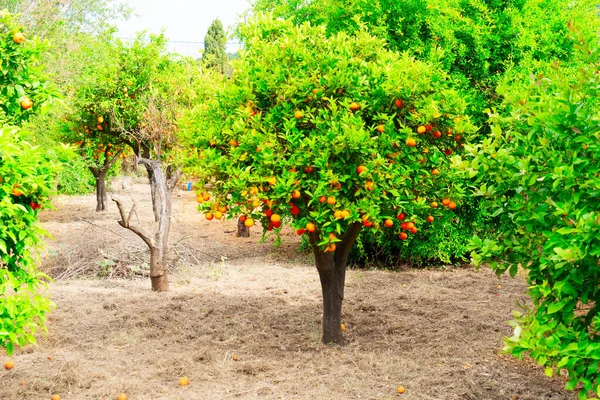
(325,131)
(542,168)
(25,182)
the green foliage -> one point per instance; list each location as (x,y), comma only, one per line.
(25,182)
(214,55)
(22,75)
(444,242)
(539,173)
(73,177)
(286,122)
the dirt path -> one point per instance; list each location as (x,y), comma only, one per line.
(438,333)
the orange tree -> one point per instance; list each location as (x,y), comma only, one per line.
(25,185)
(331,135)
(539,173)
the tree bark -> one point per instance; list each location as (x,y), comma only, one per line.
(159,242)
(332,273)
(99,173)
(243,231)
(101,196)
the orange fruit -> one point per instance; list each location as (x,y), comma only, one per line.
(403,236)
(401,217)
(434,205)
(218,214)
(223,209)
(343,327)
(399,103)
(10,364)
(255,203)
(337,214)
(330,248)
(332,236)
(234,357)
(311,227)
(209,216)
(296,194)
(199,199)
(354,106)
(360,169)
(331,200)
(309,169)
(428,128)
(242,218)
(409,225)
(452,205)
(100,119)
(389,223)
(370,185)
(411,142)
(322,199)
(414,229)
(249,222)
(401,389)
(446,202)
(380,128)
(437,134)
(430,219)
(272,180)
(234,143)
(122,396)
(435,171)
(26,103)
(298,114)
(345,214)
(184,381)
(275,218)
(57,397)
(206,197)
(19,37)
(421,130)
(300,231)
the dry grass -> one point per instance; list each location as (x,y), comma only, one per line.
(438,333)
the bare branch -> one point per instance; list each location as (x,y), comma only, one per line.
(125,223)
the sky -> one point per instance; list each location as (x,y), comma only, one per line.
(185,21)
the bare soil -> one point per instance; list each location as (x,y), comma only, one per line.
(242,321)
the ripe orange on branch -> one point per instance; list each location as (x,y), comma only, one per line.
(19,37)
(26,103)
(354,106)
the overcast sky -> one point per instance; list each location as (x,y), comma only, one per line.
(183,20)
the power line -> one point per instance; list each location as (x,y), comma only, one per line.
(180,41)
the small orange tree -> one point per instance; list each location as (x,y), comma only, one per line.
(333,135)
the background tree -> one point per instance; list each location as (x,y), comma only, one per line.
(25,185)
(543,157)
(214,55)
(331,134)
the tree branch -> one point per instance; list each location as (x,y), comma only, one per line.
(125,223)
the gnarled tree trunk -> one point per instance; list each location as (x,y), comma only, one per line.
(100,176)
(101,196)
(159,242)
(332,273)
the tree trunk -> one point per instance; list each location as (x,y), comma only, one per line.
(153,193)
(332,273)
(160,283)
(243,231)
(101,196)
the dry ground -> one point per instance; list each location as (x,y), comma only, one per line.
(436,332)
